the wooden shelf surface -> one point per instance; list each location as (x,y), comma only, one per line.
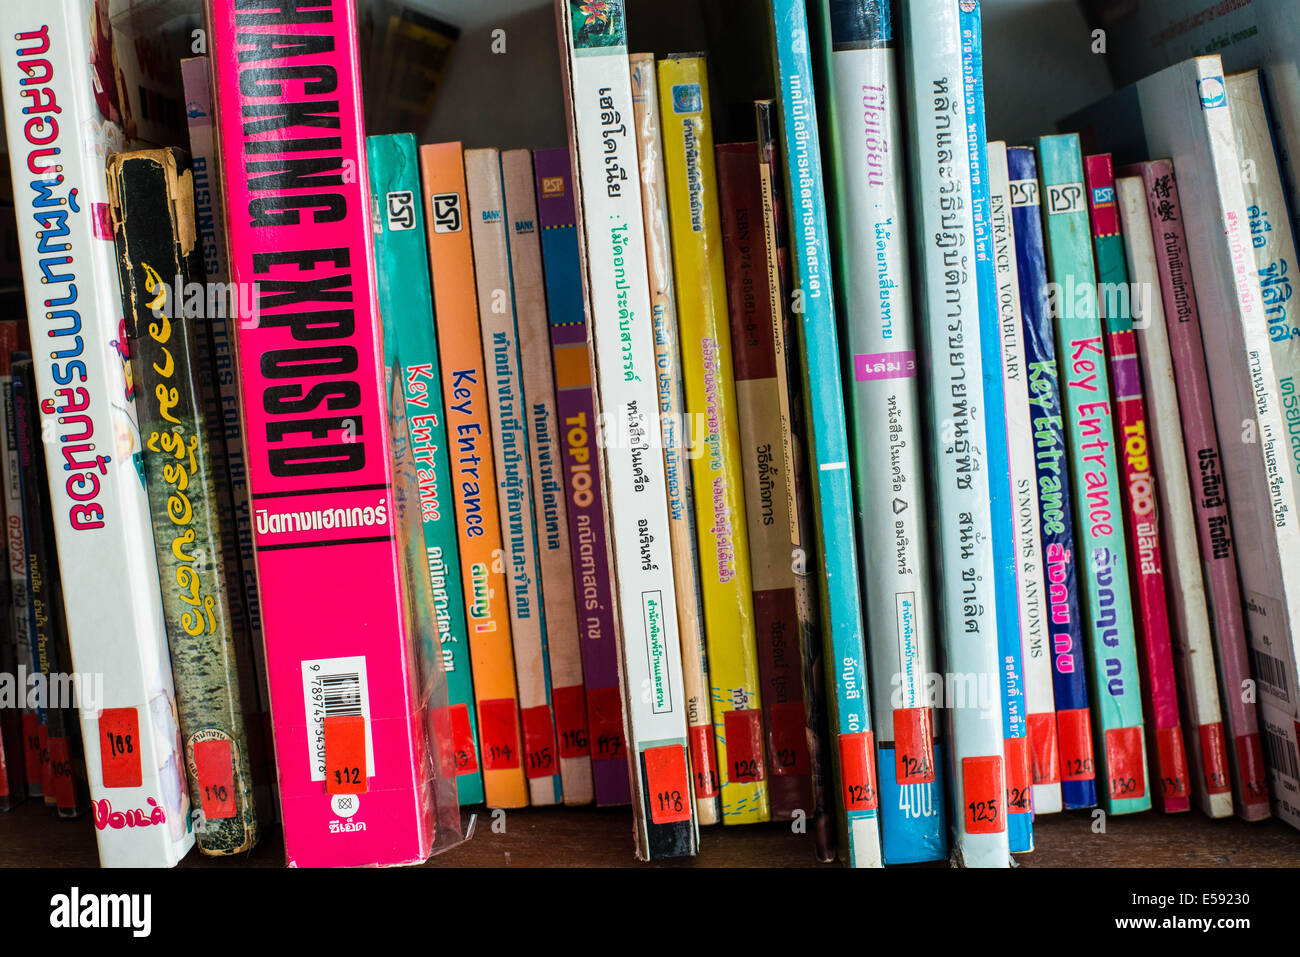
(602,837)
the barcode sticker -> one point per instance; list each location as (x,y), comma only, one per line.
(1075,736)
(1125,768)
(1172,769)
(336,688)
(1044,759)
(345,754)
(704,764)
(983,786)
(119,747)
(789,738)
(858,771)
(539,742)
(668,784)
(605,708)
(1250,763)
(571,721)
(214,772)
(743,729)
(1018,775)
(498,732)
(914,746)
(1281,752)
(1214,755)
(462,736)
(1271,672)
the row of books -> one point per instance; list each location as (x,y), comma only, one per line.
(861,499)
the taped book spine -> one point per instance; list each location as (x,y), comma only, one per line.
(549,512)
(710,391)
(1071,757)
(473,473)
(611,231)
(507,405)
(867,203)
(1192,641)
(583,477)
(676,438)
(1094,469)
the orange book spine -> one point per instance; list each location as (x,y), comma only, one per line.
(451,262)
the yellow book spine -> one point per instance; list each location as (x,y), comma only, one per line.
(726,586)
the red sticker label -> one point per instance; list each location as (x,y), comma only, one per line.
(743,730)
(983,787)
(1044,762)
(605,709)
(464,750)
(914,745)
(345,754)
(704,762)
(1173,763)
(1214,755)
(668,784)
(789,735)
(215,770)
(119,747)
(1125,768)
(539,742)
(858,771)
(498,733)
(1250,762)
(1018,775)
(32,746)
(65,792)
(571,721)
(1074,732)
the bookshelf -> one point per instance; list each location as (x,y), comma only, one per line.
(1040,66)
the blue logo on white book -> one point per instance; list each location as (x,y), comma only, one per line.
(1213,93)
(686,98)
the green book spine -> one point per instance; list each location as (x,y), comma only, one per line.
(1095,477)
(406,304)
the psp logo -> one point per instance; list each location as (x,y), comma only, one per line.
(1066,198)
(1103,196)
(401,210)
(1213,93)
(446,213)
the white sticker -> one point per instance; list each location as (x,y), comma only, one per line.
(334,687)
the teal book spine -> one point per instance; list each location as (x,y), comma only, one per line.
(406,304)
(1095,480)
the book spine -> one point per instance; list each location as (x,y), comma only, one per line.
(1094,469)
(776,235)
(611,234)
(740,201)
(1073,754)
(853,752)
(716,465)
(672,415)
(941,177)
(350,722)
(221,409)
(473,474)
(584,485)
(1040,701)
(549,511)
(1019,774)
(1193,647)
(53,61)
(1116,302)
(1208,472)
(406,308)
(873,274)
(151,203)
(507,406)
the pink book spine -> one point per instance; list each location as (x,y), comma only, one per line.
(1243,753)
(348,724)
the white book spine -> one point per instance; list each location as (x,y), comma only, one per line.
(1193,642)
(1036,659)
(59,138)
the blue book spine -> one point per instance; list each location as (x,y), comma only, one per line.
(1012,686)
(1076,767)
(853,754)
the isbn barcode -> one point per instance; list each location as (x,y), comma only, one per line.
(342,694)
(1280,755)
(1272,672)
